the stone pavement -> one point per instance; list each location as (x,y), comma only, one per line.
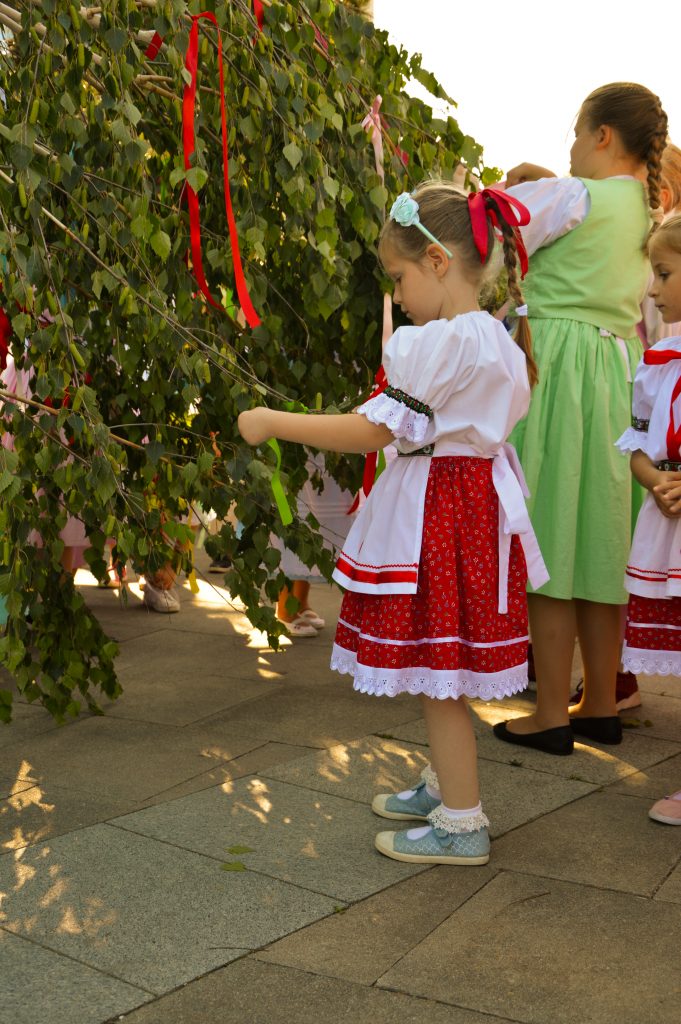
(203,853)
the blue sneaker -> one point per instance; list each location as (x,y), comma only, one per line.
(416,807)
(435,846)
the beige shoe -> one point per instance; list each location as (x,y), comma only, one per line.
(157,600)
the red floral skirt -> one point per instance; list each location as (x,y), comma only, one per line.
(652,642)
(448,639)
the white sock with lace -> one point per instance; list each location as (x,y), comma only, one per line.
(471,817)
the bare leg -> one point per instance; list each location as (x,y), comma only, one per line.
(452,750)
(300,589)
(599,628)
(553,624)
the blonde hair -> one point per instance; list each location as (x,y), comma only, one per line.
(443,209)
(636,114)
(669,234)
(671,173)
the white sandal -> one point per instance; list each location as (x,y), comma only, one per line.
(312,618)
(299,627)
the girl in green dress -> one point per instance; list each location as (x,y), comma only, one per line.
(588,274)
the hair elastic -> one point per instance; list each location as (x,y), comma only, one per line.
(521,310)
(405,211)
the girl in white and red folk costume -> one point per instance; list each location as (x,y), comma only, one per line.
(653,575)
(436,564)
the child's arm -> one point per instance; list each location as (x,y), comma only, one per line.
(665,487)
(348,432)
(527,172)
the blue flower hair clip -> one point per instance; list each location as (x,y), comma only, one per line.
(405,211)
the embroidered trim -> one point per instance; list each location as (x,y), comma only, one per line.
(427,449)
(652,663)
(639,424)
(411,403)
(484,644)
(438,684)
(667,466)
(439,819)
(397,416)
(430,778)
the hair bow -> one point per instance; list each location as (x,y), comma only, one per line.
(496,206)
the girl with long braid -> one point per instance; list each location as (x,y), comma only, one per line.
(436,563)
(588,274)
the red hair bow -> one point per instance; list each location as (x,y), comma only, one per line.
(496,206)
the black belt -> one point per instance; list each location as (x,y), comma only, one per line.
(427,449)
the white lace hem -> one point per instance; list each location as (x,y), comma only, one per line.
(436,683)
(632,441)
(430,778)
(400,419)
(651,663)
(439,818)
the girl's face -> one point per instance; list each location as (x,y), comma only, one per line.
(418,287)
(584,147)
(665,290)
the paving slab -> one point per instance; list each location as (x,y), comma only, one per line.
(41,987)
(158,676)
(249,992)
(658,716)
(149,914)
(653,783)
(28,721)
(543,951)
(669,686)
(670,890)
(224,774)
(317,841)
(125,760)
(589,763)
(364,941)
(33,814)
(358,770)
(316,709)
(605,840)
(11,786)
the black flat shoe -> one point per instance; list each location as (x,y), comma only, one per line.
(602,730)
(551,741)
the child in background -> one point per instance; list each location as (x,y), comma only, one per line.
(653,328)
(588,275)
(433,565)
(653,577)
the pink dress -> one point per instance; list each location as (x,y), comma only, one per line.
(436,563)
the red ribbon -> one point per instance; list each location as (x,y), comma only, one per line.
(152,50)
(371,458)
(657,357)
(188,139)
(496,206)
(259,12)
(5,335)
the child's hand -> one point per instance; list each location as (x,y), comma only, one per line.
(527,172)
(253,425)
(667,494)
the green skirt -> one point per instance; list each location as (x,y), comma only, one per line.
(583,499)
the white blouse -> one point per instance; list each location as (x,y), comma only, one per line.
(455,387)
(654,568)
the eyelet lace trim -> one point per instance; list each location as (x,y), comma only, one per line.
(440,820)
(430,778)
(632,440)
(652,663)
(398,417)
(460,683)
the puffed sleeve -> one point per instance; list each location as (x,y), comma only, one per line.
(424,367)
(556,205)
(646,387)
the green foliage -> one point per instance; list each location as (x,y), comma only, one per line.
(141,377)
